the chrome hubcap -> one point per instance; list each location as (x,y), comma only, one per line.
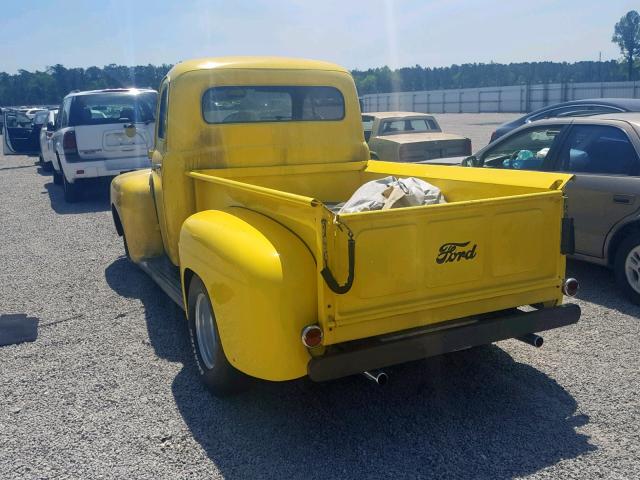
(632,268)
(205,331)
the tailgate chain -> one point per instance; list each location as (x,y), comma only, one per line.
(331,281)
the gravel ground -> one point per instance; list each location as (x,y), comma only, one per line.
(109,389)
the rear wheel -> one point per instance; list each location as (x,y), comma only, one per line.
(627,267)
(71,190)
(57,177)
(220,377)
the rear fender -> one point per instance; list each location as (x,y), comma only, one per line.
(261,280)
(133,207)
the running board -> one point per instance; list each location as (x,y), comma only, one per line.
(166,275)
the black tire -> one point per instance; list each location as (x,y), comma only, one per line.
(71,190)
(630,247)
(220,377)
(57,177)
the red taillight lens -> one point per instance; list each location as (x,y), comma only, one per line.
(311,336)
(69,142)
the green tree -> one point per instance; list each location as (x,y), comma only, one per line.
(626,34)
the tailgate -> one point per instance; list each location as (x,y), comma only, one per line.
(424,265)
(111,141)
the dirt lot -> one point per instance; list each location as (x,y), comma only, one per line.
(109,390)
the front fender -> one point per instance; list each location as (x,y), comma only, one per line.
(132,201)
(261,279)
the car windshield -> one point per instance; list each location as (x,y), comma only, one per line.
(409,125)
(112,107)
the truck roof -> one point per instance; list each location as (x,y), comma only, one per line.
(266,63)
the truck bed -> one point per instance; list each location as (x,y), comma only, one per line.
(494,245)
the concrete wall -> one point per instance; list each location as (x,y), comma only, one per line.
(514,98)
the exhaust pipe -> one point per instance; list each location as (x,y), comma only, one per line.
(378,377)
(532,339)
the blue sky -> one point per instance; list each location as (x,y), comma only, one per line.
(353,33)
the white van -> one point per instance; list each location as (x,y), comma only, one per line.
(102,133)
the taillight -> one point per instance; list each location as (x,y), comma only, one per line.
(312,336)
(570,287)
(70,146)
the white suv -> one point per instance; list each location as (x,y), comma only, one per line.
(102,133)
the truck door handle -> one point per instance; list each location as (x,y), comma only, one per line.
(623,199)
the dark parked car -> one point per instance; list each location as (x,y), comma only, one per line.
(576,108)
(603,152)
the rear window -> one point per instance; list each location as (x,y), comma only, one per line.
(412,125)
(112,107)
(251,104)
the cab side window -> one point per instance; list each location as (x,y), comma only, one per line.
(599,149)
(162,113)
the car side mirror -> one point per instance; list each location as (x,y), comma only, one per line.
(50,127)
(471,161)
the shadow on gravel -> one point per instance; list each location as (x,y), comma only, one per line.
(95,198)
(598,285)
(471,414)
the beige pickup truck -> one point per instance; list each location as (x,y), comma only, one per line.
(410,137)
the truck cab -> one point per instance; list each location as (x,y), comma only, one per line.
(235,222)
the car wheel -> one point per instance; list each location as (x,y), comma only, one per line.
(627,267)
(71,190)
(220,377)
(57,177)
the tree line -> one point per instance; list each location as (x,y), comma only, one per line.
(472,75)
(49,86)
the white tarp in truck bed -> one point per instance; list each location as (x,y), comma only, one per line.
(390,192)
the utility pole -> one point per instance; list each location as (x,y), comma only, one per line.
(600,66)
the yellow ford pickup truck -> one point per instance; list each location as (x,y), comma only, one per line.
(235,222)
